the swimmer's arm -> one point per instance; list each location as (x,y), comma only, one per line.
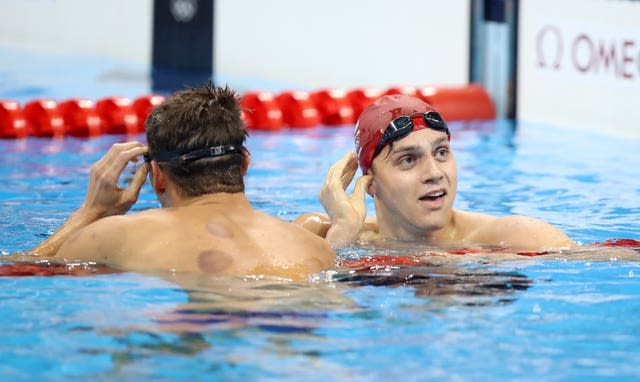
(314,222)
(77,220)
(104,196)
(320,224)
(101,241)
(524,234)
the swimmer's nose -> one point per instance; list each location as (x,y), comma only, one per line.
(431,172)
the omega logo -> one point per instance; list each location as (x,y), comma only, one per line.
(587,53)
(549,36)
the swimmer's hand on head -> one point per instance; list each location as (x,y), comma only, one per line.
(347,213)
(104,197)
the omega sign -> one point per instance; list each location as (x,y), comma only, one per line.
(588,53)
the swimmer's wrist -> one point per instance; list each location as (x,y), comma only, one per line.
(348,218)
(346,222)
(86,215)
(343,232)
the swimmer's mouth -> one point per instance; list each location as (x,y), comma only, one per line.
(434,195)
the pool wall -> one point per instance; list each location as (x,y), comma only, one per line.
(302,44)
(117,29)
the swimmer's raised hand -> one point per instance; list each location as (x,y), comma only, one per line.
(104,196)
(346,212)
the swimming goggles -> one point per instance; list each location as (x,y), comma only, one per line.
(215,151)
(403,125)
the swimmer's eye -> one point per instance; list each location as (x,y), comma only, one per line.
(442,153)
(406,160)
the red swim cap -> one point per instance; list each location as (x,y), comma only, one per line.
(374,121)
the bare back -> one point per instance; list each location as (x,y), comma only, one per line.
(226,237)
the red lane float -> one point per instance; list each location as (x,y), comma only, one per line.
(380,261)
(43,118)
(48,269)
(117,115)
(459,103)
(627,243)
(408,90)
(261,110)
(18,270)
(142,107)
(334,107)
(298,109)
(12,122)
(80,117)
(360,98)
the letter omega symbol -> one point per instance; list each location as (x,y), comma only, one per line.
(556,38)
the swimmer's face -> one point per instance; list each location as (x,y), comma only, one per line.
(414,184)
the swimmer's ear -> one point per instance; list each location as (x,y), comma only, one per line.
(246,160)
(158,178)
(371,187)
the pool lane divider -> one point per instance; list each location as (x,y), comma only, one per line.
(262,110)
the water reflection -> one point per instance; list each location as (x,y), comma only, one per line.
(256,320)
(444,281)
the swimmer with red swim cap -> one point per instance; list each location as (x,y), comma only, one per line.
(403,148)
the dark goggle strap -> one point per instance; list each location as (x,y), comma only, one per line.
(215,151)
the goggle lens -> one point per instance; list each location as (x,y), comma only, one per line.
(403,125)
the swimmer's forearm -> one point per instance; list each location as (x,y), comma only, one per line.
(76,221)
(339,233)
(343,232)
(314,222)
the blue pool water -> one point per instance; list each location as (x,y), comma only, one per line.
(570,318)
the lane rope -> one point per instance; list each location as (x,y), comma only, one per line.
(262,110)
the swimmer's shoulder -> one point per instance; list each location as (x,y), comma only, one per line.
(515,231)
(96,241)
(469,222)
(112,235)
(292,234)
(291,229)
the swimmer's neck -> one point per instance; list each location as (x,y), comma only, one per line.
(238,199)
(446,234)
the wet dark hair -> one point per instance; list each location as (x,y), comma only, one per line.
(196,119)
